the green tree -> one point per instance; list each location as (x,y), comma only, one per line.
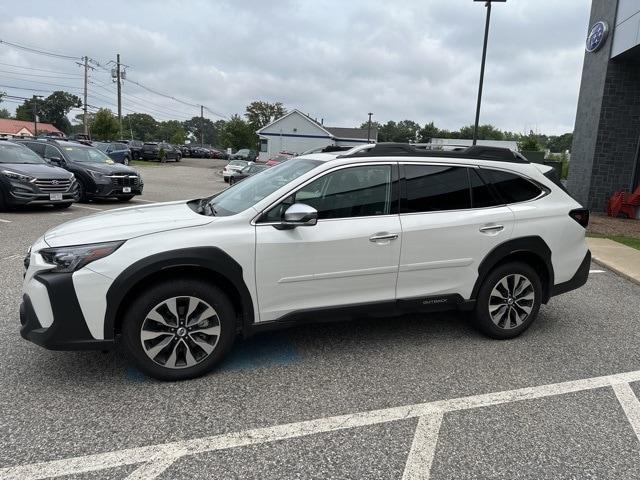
(170,131)
(238,134)
(529,144)
(485,132)
(141,125)
(260,114)
(429,131)
(53,109)
(403,131)
(195,126)
(4,113)
(560,143)
(105,126)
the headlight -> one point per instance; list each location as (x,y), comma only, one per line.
(98,176)
(70,259)
(17,176)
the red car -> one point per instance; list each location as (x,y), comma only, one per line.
(279,158)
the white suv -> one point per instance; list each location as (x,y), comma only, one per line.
(386,227)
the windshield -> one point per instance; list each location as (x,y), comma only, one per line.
(255,188)
(238,163)
(86,155)
(12,153)
(101,146)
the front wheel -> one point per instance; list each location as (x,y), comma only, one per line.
(508,301)
(126,161)
(179,329)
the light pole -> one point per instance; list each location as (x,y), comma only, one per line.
(35,114)
(369,128)
(487,4)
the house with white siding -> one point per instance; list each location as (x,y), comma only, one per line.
(296,132)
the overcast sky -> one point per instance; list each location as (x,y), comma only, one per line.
(337,60)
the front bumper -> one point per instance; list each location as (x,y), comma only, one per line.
(68,330)
(29,194)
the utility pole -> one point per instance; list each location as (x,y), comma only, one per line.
(201,125)
(119,92)
(85,123)
(484,57)
(369,128)
(35,115)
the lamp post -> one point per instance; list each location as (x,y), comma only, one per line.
(35,114)
(369,128)
(487,4)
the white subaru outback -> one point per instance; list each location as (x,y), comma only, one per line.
(386,227)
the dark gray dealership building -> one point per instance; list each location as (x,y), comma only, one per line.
(606,143)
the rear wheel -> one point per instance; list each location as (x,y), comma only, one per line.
(231,181)
(179,329)
(178,158)
(126,160)
(82,192)
(508,301)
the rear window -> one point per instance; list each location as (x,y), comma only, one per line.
(512,188)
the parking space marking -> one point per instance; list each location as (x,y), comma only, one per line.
(88,208)
(153,454)
(597,271)
(2,220)
(143,200)
(151,470)
(423,448)
(630,405)
(13,257)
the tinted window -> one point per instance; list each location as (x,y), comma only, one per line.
(350,192)
(52,152)
(12,153)
(431,188)
(481,196)
(511,187)
(37,147)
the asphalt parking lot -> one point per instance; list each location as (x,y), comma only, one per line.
(413,397)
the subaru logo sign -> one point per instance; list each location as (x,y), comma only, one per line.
(597,36)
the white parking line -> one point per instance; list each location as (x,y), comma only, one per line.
(87,208)
(168,452)
(2,220)
(143,200)
(630,405)
(596,271)
(423,448)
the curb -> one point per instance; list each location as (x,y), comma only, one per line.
(615,270)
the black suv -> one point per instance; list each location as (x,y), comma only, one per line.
(161,151)
(26,179)
(96,174)
(135,147)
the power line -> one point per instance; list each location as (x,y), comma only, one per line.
(38,69)
(39,51)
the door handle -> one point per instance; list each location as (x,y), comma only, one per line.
(377,237)
(492,228)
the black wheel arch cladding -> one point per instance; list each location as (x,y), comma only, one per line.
(210,259)
(519,248)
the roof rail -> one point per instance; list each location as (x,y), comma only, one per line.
(477,152)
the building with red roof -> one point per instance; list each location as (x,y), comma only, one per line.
(23,128)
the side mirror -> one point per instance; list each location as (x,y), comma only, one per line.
(55,160)
(299,215)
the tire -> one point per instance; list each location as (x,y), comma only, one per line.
(498,289)
(151,304)
(231,181)
(126,161)
(125,199)
(178,158)
(61,206)
(226,180)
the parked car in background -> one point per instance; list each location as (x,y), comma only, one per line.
(245,154)
(27,179)
(150,151)
(135,147)
(281,157)
(184,150)
(160,151)
(118,152)
(248,171)
(233,166)
(96,174)
(219,154)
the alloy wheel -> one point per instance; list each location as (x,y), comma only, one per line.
(511,301)
(180,332)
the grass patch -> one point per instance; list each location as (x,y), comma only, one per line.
(143,163)
(628,241)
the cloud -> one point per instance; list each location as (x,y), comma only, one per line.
(335,60)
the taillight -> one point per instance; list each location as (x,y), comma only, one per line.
(580,215)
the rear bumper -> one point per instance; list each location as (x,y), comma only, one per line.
(578,280)
(69,330)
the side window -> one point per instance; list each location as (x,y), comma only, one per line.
(432,188)
(512,188)
(481,196)
(51,152)
(350,192)
(36,147)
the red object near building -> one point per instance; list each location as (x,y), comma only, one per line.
(624,204)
